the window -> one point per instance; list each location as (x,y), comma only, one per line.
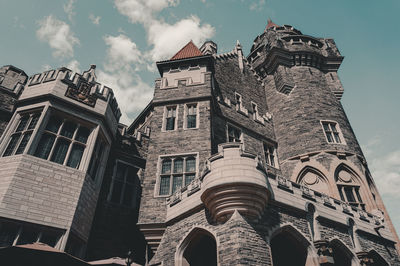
(21,135)
(176,173)
(63,141)
(234,134)
(332,132)
(95,162)
(124,184)
(191,116)
(255,110)
(170,118)
(349,190)
(238,99)
(269,152)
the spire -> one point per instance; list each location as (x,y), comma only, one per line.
(270,24)
(189,50)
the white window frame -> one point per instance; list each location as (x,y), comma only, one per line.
(186,112)
(339,131)
(274,154)
(164,122)
(227,133)
(174,156)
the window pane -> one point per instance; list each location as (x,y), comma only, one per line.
(8,232)
(170,123)
(326,127)
(22,123)
(60,151)
(11,146)
(191,121)
(128,195)
(54,124)
(188,178)
(75,155)
(166,166)
(329,136)
(44,147)
(116,193)
(358,194)
(68,129)
(337,138)
(349,194)
(178,166)
(190,164)
(177,183)
(340,188)
(49,238)
(333,126)
(164,185)
(34,120)
(132,174)
(82,134)
(23,143)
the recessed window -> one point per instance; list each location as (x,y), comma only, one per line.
(95,162)
(191,116)
(21,135)
(233,134)
(124,184)
(269,153)
(170,118)
(63,141)
(255,110)
(349,189)
(332,132)
(176,172)
(238,99)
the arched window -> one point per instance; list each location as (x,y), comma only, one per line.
(199,248)
(342,256)
(348,186)
(313,179)
(377,259)
(288,250)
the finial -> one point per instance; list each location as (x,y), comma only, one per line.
(92,66)
(270,24)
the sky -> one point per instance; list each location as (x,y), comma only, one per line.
(124,38)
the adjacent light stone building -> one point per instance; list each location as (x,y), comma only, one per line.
(236,161)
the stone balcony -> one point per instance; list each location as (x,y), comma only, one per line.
(234,180)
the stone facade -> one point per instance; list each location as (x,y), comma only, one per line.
(235,161)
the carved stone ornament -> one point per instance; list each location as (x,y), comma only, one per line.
(324,252)
(81,93)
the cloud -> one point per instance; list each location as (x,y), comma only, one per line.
(257,5)
(160,35)
(18,23)
(95,20)
(74,65)
(386,173)
(121,52)
(69,9)
(142,11)
(58,35)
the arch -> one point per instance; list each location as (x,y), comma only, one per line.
(314,179)
(377,259)
(342,254)
(198,247)
(290,247)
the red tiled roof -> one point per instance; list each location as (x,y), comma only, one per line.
(270,24)
(189,50)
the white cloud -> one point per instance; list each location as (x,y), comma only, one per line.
(45,67)
(257,5)
(58,35)
(142,11)
(74,65)
(121,52)
(95,20)
(386,173)
(160,35)
(69,9)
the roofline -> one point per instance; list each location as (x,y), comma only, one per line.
(17,69)
(145,110)
(179,61)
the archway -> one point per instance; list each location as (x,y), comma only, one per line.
(198,248)
(377,259)
(314,179)
(289,247)
(342,256)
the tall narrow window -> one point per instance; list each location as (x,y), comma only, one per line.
(176,172)
(124,184)
(234,134)
(255,110)
(238,99)
(63,142)
(23,132)
(269,152)
(348,187)
(170,118)
(191,117)
(332,132)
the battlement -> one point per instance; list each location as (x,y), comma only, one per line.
(81,87)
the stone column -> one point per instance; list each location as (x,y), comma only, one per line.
(325,252)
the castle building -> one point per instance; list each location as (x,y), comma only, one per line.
(236,161)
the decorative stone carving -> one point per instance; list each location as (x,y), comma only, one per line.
(194,186)
(175,198)
(284,183)
(324,252)
(346,208)
(327,200)
(307,192)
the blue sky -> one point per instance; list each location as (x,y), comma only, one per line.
(124,38)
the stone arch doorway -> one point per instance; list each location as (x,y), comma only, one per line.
(198,248)
(290,247)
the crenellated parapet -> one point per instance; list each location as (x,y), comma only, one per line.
(234,180)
